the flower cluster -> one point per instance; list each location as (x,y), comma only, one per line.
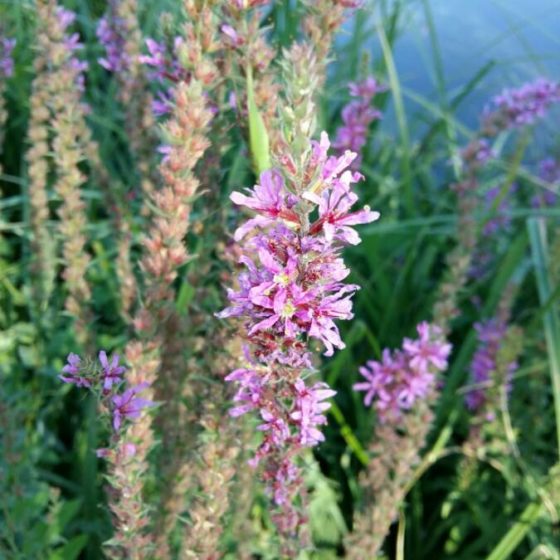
(405,375)
(357,116)
(111,32)
(521,106)
(291,291)
(105,379)
(72,45)
(490,337)
(166,70)
(6,59)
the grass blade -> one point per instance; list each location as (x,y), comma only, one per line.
(541,260)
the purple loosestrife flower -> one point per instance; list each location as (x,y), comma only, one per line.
(128,405)
(292,290)
(73,372)
(72,44)
(309,409)
(111,31)
(404,376)
(357,116)
(6,58)
(521,106)
(166,71)
(111,373)
(490,336)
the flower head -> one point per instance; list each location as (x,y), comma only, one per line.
(111,372)
(402,377)
(6,58)
(73,372)
(128,405)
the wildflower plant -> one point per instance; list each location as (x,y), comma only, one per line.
(297,380)
(291,293)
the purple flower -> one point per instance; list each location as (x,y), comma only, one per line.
(250,392)
(428,350)
(404,376)
(477,153)
(128,405)
(290,291)
(269,199)
(490,334)
(165,70)
(357,117)
(233,38)
(111,373)
(521,106)
(335,218)
(309,410)
(72,372)
(111,32)
(6,58)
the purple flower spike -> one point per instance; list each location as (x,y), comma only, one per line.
(404,376)
(128,405)
(522,106)
(357,117)
(6,59)
(490,335)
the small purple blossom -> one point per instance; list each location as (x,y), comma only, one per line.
(73,373)
(402,377)
(128,405)
(490,335)
(6,57)
(165,70)
(357,117)
(521,106)
(309,410)
(111,32)
(111,372)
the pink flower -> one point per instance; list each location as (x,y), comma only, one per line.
(269,199)
(111,373)
(72,372)
(404,376)
(309,410)
(427,350)
(128,405)
(335,217)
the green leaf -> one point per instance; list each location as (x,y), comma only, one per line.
(258,136)
(71,549)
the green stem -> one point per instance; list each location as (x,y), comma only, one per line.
(401,117)
(517,533)
(541,261)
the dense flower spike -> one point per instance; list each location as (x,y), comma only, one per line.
(6,71)
(357,117)
(111,32)
(491,334)
(404,376)
(6,59)
(292,291)
(521,106)
(165,69)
